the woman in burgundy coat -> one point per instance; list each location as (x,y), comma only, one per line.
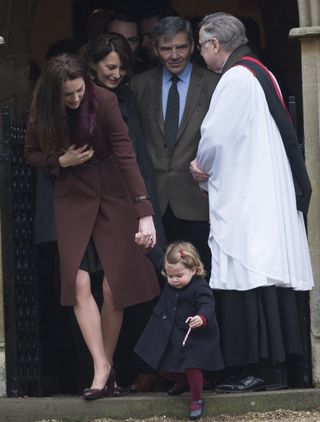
(76,132)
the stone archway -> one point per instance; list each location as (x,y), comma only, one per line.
(15,23)
(309,36)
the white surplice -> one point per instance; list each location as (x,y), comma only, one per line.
(257,236)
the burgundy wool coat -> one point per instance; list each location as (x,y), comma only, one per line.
(98,199)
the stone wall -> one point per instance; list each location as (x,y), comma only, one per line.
(309,35)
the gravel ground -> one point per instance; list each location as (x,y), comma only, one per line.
(277,415)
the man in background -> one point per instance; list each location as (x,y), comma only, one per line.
(173,99)
(147,24)
(128,27)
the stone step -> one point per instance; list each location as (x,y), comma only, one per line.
(75,409)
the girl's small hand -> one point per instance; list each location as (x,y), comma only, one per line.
(147,233)
(75,156)
(194,322)
(137,238)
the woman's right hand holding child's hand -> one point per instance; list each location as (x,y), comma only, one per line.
(75,156)
(143,240)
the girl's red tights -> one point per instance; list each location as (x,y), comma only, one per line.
(192,376)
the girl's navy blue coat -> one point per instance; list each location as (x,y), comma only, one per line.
(160,345)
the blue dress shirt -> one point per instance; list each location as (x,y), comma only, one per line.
(182,85)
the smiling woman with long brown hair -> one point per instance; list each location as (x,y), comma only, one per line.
(77,134)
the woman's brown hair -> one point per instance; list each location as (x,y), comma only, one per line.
(48,114)
(104,44)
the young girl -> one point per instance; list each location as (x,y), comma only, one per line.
(181,338)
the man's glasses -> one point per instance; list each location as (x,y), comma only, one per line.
(200,45)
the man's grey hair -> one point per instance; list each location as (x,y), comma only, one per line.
(227,29)
(170,26)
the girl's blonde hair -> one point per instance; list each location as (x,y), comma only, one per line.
(185,253)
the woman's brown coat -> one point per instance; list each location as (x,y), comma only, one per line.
(99,199)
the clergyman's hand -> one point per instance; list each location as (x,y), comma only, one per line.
(197,174)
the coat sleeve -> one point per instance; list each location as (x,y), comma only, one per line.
(156,256)
(122,147)
(204,300)
(135,133)
(38,158)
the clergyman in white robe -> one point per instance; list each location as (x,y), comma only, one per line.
(257,236)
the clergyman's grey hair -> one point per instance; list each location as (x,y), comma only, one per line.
(227,29)
(170,26)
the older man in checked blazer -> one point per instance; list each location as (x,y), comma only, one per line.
(171,127)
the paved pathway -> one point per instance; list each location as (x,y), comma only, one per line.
(275,416)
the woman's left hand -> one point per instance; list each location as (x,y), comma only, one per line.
(75,156)
(147,232)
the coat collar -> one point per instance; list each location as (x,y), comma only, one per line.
(194,92)
(155,85)
(235,56)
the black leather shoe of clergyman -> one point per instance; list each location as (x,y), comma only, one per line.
(178,389)
(247,384)
(196,409)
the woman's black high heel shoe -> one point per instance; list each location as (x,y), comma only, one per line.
(93,393)
(109,388)
(99,393)
(113,390)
